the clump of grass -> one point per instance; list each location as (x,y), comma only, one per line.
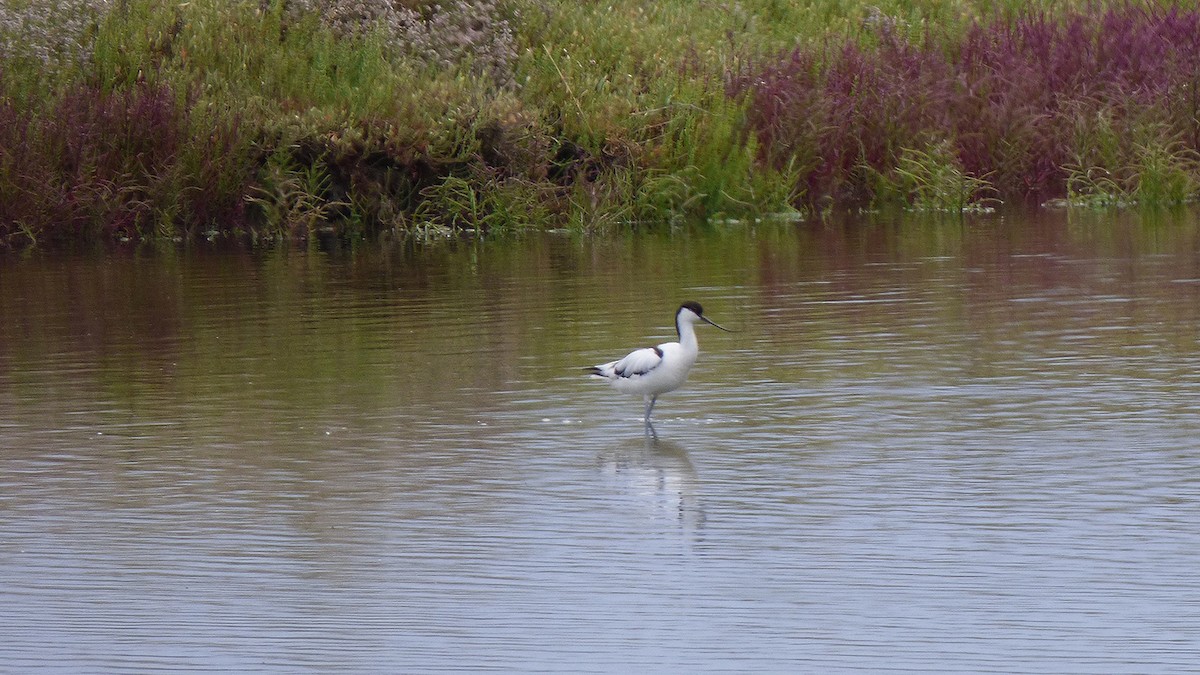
(1158,175)
(933,180)
(455,205)
(1093,187)
(295,196)
(1167,174)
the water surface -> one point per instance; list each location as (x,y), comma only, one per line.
(929,446)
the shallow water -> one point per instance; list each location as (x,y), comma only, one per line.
(929,446)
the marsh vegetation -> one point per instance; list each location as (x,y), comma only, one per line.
(262,119)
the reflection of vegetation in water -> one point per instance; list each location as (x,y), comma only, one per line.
(292,117)
(422,323)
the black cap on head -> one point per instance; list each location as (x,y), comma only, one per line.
(694,306)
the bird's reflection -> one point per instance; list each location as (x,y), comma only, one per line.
(658,474)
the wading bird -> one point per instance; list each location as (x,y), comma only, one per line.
(652,371)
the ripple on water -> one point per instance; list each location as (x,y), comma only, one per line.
(958,452)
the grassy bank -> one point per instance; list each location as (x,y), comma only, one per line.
(129,119)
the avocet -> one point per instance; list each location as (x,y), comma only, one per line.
(652,371)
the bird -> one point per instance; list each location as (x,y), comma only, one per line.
(653,371)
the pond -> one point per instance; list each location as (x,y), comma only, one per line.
(929,445)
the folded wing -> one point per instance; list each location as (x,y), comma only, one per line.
(636,363)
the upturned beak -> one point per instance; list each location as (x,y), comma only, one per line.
(710,322)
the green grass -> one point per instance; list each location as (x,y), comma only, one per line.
(933,180)
(607,115)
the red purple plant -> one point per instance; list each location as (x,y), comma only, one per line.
(1016,98)
(113,164)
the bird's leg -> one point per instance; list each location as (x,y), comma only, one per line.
(649,406)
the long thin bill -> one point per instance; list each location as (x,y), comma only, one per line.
(710,322)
